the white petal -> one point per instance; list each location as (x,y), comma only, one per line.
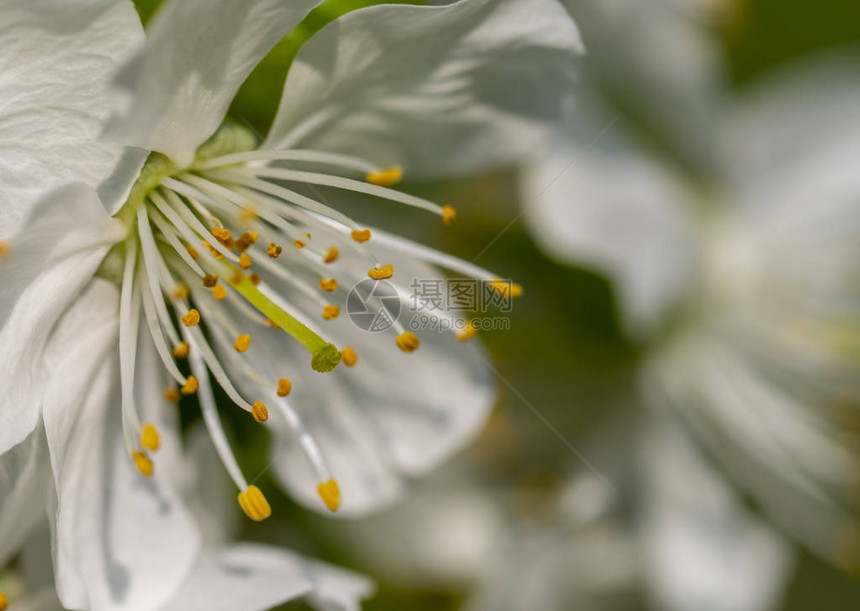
(434,89)
(56,254)
(800,121)
(248,577)
(334,588)
(24,474)
(704,550)
(175,92)
(55,66)
(120,541)
(209,492)
(612,208)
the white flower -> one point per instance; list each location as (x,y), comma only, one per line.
(103,253)
(755,252)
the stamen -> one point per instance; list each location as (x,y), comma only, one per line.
(350,358)
(408,341)
(246,240)
(219,292)
(330,494)
(221,234)
(191,318)
(360,235)
(259,411)
(330,312)
(333,159)
(467,333)
(242,343)
(328,284)
(331,255)
(150,260)
(213,423)
(149,438)
(129,318)
(4,602)
(187,253)
(382,272)
(180,351)
(192,251)
(180,291)
(284,387)
(5,248)
(299,244)
(171,394)
(347,184)
(506,288)
(143,463)
(254,504)
(387,177)
(274,251)
(448,214)
(210,280)
(190,387)
(245,261)
(158,338)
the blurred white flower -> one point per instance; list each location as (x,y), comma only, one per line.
(106,245)
(740,271)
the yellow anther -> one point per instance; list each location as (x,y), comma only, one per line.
(360,235)
(254,279)
(247,215)
(221,234)
(448,214)
(259,411)
(386,177)
(219,292)
(210,280)
(242,343)
(328,284)
(142,462)
(171,394)
(191,319)
(212,250)
(4,250)
(190,386)
(298,244)
(4,602)
(284,387)
(349,356)
(381,272)
(180,350)
(180,291)
(272,323)
(330,312)
(149,438)
(467,332)
(254,504)
(274,250)
(408,341)
(331,256)
(306,234)
(192,252)
(245,261)
(246,240)
(236,278)
(330,494)
(506,288)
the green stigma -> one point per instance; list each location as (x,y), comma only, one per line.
(325,355)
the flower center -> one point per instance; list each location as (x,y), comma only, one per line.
(226,243)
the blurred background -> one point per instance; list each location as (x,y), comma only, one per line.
(566,500)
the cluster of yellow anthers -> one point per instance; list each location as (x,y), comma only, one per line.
(171,208)
(4,603)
